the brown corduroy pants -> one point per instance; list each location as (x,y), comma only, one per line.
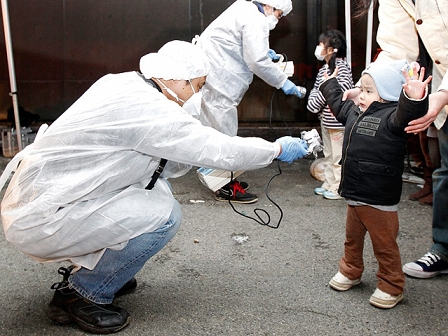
(383,230)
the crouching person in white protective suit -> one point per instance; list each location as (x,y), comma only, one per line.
(88,190)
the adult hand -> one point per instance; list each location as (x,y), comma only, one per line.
(437,101)
(273,55)
(292,148)
(290,88)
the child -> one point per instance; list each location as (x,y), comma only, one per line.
(372,166)
(332,49)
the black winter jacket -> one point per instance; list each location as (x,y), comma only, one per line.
(374,145)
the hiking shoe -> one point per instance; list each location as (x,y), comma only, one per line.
(128,288)
(331,196)
(319,191)
(383,300)
(236,194)
(341,283)
(244,185)
(426,267)
(67,306)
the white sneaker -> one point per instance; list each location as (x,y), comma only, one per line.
(341,283)
(383,300)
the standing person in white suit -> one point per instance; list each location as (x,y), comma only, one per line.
(237,45)
(92,189)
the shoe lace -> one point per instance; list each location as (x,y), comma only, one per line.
(65,272)
(236,187)
(429,259)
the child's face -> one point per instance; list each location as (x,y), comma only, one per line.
(369,93)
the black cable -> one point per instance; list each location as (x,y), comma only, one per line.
(258,210)
(280,111)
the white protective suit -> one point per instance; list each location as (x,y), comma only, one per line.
(237,45)
(80,187)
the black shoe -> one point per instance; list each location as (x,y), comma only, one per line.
(128,288)
(235,193)
(67,306)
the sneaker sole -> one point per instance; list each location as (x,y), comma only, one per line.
(223,199)
(421,274)
(333,198)
(385,304)
(343,287)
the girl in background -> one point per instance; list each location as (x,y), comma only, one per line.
(332,49)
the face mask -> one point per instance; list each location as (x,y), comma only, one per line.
(318,52)
(193,104)
(272,21)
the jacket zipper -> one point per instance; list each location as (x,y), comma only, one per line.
(348,145)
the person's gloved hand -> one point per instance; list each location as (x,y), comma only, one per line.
(290,88)
(292,148)
(273,55)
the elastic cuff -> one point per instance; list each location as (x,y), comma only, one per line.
(277,148)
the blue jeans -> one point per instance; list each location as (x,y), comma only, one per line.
(116,267)
(440,203)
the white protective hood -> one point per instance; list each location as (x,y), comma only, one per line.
(80,187)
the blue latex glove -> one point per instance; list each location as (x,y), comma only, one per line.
(273,55)
(292,148)
(290,88)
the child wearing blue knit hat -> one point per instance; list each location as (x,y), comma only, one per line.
(372,165)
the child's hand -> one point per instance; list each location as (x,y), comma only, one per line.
(415,88)
(333,75)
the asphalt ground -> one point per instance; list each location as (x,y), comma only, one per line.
(224,274)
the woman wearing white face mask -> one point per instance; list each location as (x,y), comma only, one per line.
(237,44)
(332,50)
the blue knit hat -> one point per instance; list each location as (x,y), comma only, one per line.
(388,78)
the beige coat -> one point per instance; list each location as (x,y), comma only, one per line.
(399,23)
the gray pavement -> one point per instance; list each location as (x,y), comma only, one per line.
(224,274)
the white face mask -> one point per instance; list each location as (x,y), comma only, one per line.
(193,104)
(318,52)
(272,21)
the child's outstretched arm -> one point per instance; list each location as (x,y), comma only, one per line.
(415,88)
